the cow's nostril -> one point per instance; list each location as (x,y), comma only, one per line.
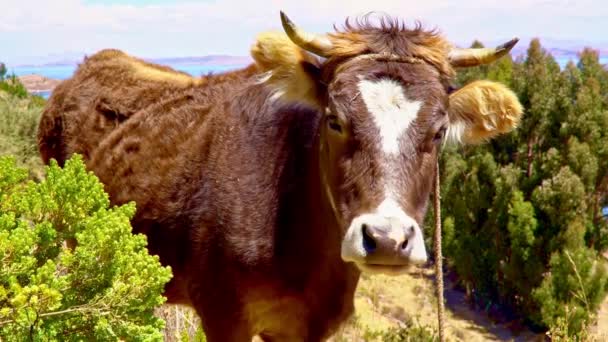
(409,233)
(368,241)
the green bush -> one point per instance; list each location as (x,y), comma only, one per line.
(523,214)
(70,268)
(13,86)
(2,71)
(572,290)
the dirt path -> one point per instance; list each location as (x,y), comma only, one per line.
(456,303)
(601,328)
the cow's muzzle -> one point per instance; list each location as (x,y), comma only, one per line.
(379,244)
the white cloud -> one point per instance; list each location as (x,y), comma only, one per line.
(38,28)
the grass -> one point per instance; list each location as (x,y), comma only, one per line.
(181,323)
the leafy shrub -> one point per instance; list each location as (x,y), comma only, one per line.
(570,293)
(13,86)
(2,71)
(70,268)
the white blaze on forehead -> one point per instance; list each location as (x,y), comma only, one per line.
(391,110)
(392,113)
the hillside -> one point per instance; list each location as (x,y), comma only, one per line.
(38,83)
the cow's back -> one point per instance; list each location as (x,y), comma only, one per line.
(106,89)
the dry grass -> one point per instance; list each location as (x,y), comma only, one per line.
(383,302)
(181,323)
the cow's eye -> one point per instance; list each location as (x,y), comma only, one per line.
(334,123)
(439,135)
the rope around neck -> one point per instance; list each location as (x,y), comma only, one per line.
(438,256)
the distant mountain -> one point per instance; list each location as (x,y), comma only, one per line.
(557,47)
(66,58)
(212,60)
(215,60)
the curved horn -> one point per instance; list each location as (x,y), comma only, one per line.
(472,57)
(317,44)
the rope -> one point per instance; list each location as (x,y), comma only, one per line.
(438,256)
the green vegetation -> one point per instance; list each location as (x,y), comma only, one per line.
(523,219)
(411,331)
(18,126)
(19,116)
(2,71)
(11,84)
(70,267)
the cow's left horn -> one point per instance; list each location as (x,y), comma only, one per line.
(472,57)
(315,43)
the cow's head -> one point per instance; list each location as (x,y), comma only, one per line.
(384,92)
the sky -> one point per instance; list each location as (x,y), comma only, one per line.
(34,31)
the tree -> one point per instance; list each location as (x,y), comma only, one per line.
(70,268)
(525,215)
(2,71)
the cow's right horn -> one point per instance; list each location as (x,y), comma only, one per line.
(473,57)
(318,44)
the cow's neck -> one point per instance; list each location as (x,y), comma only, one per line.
(308,226)
(326,221)
(339,277)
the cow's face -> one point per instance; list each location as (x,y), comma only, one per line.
(386,112)
(383,124)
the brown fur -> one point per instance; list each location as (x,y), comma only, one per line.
(245,193)
(114,86)
(392,37)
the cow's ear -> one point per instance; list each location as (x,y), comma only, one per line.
(482,110)
(291,72)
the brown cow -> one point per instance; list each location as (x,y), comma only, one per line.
(269,189)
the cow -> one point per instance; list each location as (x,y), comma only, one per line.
(270,189)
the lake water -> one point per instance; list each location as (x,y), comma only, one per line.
(62,72)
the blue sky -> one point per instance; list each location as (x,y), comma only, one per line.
(39,31)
